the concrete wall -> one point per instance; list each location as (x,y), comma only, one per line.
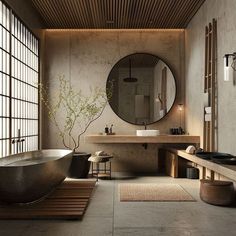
(224,13)
(25,10)
(87,58)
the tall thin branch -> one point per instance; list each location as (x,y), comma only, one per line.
(80,111)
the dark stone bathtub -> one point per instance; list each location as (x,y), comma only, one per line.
(30,176)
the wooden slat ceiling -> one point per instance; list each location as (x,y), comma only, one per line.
(117,14)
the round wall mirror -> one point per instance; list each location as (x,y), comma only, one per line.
(141,88)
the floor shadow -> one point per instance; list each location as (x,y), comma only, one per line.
(232,206)
(124,177)
(134,175)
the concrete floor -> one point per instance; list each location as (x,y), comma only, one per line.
(107,216)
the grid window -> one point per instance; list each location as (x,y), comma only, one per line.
(19,77)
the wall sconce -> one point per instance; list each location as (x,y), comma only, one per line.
(227,66)
(180,109)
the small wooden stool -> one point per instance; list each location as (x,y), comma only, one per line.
(96,170)
(217,192)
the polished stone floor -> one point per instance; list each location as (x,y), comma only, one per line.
(107,216)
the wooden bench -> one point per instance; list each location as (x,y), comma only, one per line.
(208,169)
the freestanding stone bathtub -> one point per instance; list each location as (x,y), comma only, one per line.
(30,176)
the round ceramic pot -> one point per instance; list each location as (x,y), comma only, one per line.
(80,165)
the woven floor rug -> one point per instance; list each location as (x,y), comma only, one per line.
(153,192)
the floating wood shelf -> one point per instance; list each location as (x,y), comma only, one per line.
(142,139)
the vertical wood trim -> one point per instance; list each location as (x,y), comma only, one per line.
(203,172)
(205,126)
(212,175)
(209,129)
(204,132)
(163,89)
(213,85)
(206,59)
(209,70)
(216,85)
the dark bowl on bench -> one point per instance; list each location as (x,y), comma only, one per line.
(210,155)
(226,160)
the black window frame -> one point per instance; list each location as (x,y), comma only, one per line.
(22,66)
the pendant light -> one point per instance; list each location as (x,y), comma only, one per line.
(130,79)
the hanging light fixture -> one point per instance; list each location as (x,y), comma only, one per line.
(227,65)
(130,79)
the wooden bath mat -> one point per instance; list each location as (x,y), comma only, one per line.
(68,201)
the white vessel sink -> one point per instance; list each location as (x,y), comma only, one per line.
(148,132)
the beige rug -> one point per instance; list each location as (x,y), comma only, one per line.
(153,192)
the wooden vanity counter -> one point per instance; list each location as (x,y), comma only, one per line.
(188,139)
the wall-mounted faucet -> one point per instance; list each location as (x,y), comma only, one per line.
(145,125)
(19,142)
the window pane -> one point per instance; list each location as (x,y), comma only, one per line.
(18,51)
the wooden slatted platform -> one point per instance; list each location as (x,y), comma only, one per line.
(68,201)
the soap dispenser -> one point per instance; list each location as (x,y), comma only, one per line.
(106,130)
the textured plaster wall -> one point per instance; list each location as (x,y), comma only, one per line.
(224,12)
(87,58)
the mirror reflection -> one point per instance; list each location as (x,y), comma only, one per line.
(141,88)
